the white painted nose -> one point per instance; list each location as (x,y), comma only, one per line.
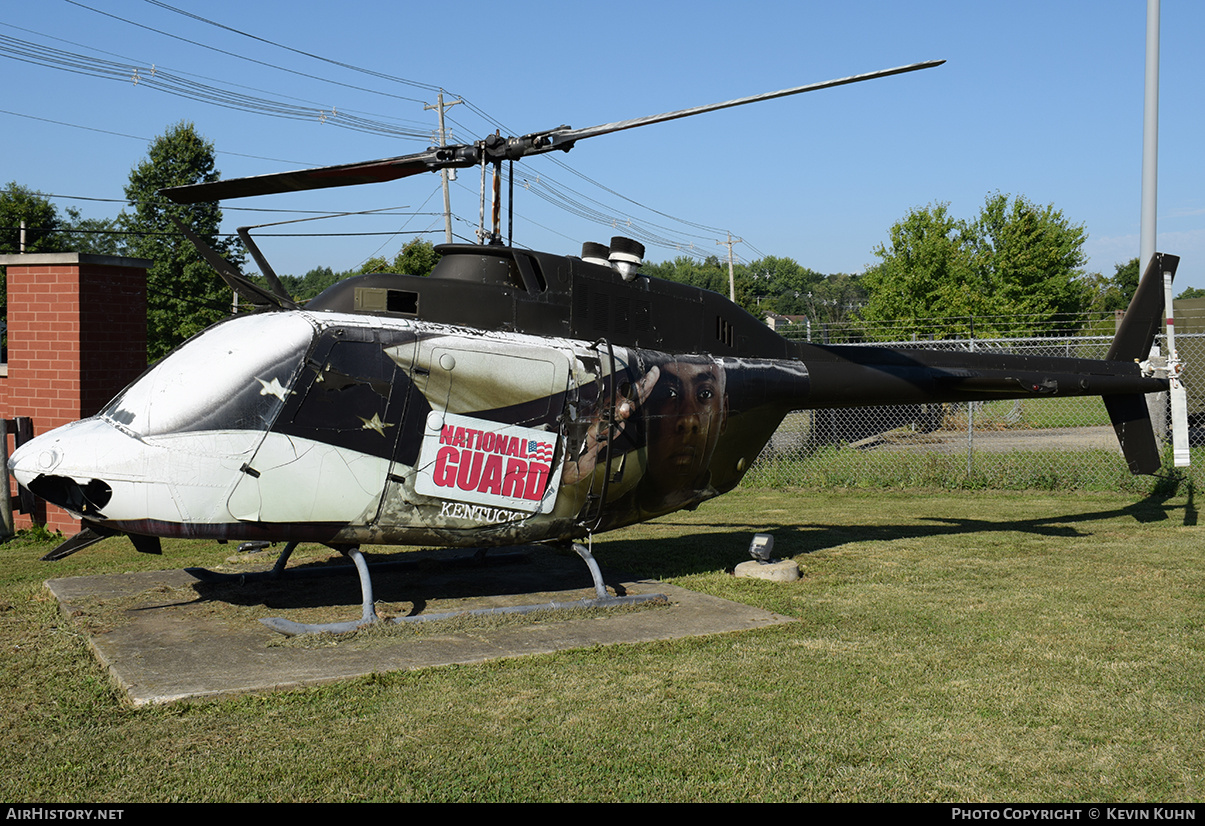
(82,444)
(68,466)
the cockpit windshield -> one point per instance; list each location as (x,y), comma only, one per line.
(235,376)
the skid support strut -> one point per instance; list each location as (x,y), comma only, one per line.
(206,575)
(367,616)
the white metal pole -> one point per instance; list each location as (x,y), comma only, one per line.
(1150,138)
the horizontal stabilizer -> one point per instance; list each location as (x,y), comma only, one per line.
(1132,423)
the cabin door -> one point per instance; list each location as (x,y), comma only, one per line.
(329,451)
(491,432)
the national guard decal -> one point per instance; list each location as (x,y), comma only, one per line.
(487,463)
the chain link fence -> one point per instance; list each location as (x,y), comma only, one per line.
(1039,443)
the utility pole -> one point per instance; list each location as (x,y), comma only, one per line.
(731,273)
(443,141)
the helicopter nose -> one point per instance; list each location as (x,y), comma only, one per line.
(44,454)
(64,466)
(33,458)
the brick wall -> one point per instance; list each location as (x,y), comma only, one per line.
(76,336)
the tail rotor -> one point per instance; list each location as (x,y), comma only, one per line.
(1176,392)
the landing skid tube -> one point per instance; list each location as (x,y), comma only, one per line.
(369,614)
(278,570)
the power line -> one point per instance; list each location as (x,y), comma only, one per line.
(143,139)
(605,188)
(417,124)
(235,54)
(417,84)
(180,84)
(164,80)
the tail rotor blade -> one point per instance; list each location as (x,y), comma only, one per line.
(1179,404)
(1176,392)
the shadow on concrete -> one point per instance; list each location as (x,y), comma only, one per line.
(164,636)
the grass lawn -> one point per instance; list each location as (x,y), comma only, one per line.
(1063,411)
(950,645)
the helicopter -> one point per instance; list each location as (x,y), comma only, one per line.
(510,397)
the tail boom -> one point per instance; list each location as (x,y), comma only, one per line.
(853,376)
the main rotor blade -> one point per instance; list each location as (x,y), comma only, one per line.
(493,149)
(348,174)
(558,136)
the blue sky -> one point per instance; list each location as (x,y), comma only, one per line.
(1038,99)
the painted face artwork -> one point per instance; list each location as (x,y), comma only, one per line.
(684,416)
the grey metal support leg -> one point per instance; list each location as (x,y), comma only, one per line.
(278,570)
(368,614)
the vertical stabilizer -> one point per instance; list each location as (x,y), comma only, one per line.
(1144,316)
(1129,414)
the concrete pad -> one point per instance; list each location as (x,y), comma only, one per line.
(164,636)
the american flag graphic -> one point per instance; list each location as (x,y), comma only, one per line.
(539,450)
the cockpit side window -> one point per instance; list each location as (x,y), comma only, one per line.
(352,395)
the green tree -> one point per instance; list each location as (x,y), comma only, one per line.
(836,299)
(41,220)
(925,272)
(92,236)
(378,263)
(418,257)
(1114,293)
(184,295)
(1015,261)
(1125,278)
(19,204)
(782,284)
(1030,257)
(312,283)
(706,273)
(709,273)
(46,231)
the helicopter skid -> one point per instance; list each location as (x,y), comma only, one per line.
(278,570)
(369,615)
(293,629)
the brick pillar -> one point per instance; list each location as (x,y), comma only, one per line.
(76,336)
